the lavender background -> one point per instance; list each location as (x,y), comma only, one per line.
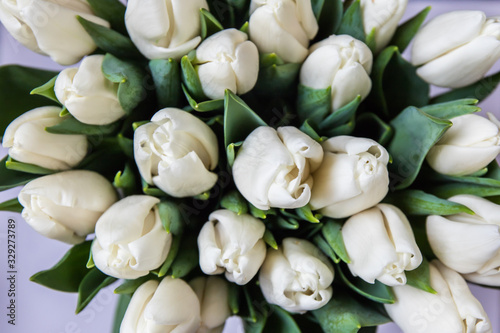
(42,310)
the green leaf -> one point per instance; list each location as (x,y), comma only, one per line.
(449,110)
(191,79)
(275,76)
(171,217)
(14,165)
(126,145)
(281,321)
(307,215)
(420,277)
(186,259)
(341,116)
(449,190)
(110,41)
(67,274)
(333,235)
(479,90)
(415,132)
(112,11)
(125,180)
(71,125)
(379,68)
(234,298)
(259,213)
(130,286)
(130,79)
(47,90)
(121,308)
(370,40)
(16,82)
(152,190)
(210,105)
(352,22)
(172,254)
(308,129)
(11,205)
(10,178)
(416,202)
(330,16)
(287,223)
(91,284)
(235,202)
(239,119)
(166,76)
(270,240)
(231,152)
(405,32)
(313,104)
(344,314)
(255,324)
(326,248)
(369,125)
(209,24)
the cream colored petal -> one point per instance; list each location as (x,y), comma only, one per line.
(246,67)
(135,309)
(213,293)
(487,280)
(306,17)
(215,78)
(248,264)
(95,110)
(348,83)
(186,21)
(209,249)
(219,44)
(485,209)
(471,130)
(320,67)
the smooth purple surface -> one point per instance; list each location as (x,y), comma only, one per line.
(42,310)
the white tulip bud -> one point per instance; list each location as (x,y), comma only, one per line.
(284,27)
(381,245)
(50,27)
(66,205)
(233,244)
(469,244)
(168,306)
(87,94)
(452,309)
(176,152)
(163,29)
(457,48)
(297,276)
(228,60)
(352,177)
(213,293)
(466,147)
(130,239)
(384,17)
(273,168)
(342,63)
(29,142)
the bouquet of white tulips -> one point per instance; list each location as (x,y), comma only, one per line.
(278,160)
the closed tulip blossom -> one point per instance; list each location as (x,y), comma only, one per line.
(163,29)
(50,27)
(352,177)
(130,239)
(273,167)
(176,152)
(342,63)
(457,48)
(381,245)
(167,306)
(66,205)
(29,142)
(469,145)
(227,60)
(284,27)
(297,276)
(452,309)
(469,244)
(233,244)
(87,94)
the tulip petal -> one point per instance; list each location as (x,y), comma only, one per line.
(320,67)
(213,293)
(246,55)
(306,18)
(215,78)
(348,83)
(135,309)
(487,280)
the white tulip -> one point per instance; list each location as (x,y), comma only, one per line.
(213,293)
(228,60)
(342,63)
(87,94)
(130,239)
(297,276)
(384,17)
(233,244)
(176,152)
(466,147)
(452,309)
(381,245)
(66,205)
(168,306)
(284,27)
(457,48)
(273,168)
(50,27)
(163,29)
(469,244)
(29,142)
(352,177)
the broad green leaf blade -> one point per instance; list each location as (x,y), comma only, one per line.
(67,274)
(415,132)
(210,105)
(166,76)
(345,129)
(405,32)
(280,321)
(71,125)
(449,190)
(171,217)
(234,202)
(309,129)
(27,168)
(416,202)
(341,116)
(344,314)
(420,277)
(47,90)
(112,11)
(130,286)
(209,24)
(110,41)
(333,235)
(10,178)
(313,104)
(239,119)
(255,324)
(121,308)
(277,79)
(191,80)
(377,95)
(11,205)
(449,110)
(16,83)
(330,17)
(479,90)
(369,125)
(126,145)
(322,244)
(130,78)
(186,259)
(352,22)
(91,284)
(172,254)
